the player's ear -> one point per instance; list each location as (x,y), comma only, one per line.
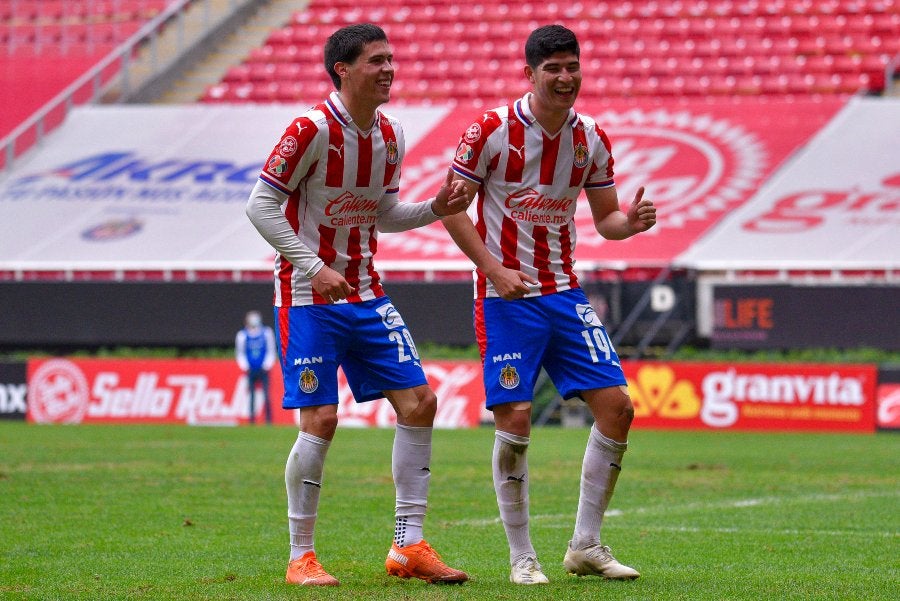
(529,73)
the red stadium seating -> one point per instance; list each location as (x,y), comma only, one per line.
(687,48)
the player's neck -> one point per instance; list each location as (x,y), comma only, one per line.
(550,119)
(361,110)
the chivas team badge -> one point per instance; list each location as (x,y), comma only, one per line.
(509,377)
(308,380)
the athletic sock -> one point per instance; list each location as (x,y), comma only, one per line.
(510,467)
(599,472)
(303,479)
(411,467)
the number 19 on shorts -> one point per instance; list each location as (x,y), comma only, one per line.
(598,343)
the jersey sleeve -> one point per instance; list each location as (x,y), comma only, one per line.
(601,170)
(293,156)
(474,153)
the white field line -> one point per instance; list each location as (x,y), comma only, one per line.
(688,508)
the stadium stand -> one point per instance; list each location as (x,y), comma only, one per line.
(65,38)
(470,51)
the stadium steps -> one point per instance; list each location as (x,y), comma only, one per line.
(229,48)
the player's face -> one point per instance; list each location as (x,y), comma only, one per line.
(556,81)
(368,79)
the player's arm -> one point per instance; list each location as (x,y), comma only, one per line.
(264,211)
(509,283)
(614,224)
(240,350)
(402,216)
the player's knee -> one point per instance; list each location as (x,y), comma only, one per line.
(319,421)
(426,408)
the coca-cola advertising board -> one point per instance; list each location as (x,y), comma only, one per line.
(214,392)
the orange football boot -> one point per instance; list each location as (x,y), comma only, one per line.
(307,571)
(423,562)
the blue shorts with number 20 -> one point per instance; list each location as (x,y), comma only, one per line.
(369,340)
(560,332)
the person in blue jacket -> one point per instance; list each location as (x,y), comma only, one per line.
(254,349)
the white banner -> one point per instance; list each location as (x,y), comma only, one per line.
(835,206)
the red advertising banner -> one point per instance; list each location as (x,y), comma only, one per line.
(214,392)
(743,396)
(888,406)
(670,395)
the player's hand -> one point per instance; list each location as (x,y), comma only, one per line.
(511,284)
(641,213)
(331,285)
(452,198)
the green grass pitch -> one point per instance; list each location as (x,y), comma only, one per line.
(175,512)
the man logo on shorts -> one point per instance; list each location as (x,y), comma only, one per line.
(509,377)
(588,317)
(308,381)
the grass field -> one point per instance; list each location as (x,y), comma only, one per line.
(174,512)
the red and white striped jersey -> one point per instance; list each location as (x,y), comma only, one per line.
(337,179)
(529,185)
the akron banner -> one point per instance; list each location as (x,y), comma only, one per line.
(667,395)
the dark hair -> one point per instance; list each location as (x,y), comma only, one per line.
(546,41)
(346,44)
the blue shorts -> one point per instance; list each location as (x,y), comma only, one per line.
(559,332)
(368,340)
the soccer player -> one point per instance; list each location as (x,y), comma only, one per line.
(528,162)
(330,181)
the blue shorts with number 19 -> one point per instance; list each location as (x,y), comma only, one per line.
(560,332)
(369,340)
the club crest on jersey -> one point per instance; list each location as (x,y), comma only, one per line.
(288,146)
(277,165)
(588,316)
(464,153)
(392,152)
(581,155)
(390,317)
(509,377)
(473,134)
(309,383)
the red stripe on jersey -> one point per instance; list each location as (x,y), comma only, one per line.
(480,331)
(481,228)
(579,139)
(509,242)
(565,243)
(284,329)
(351,272)
(375,284)
(608,146)
(392,151)
(364,160)
(549,155)
(286,269)
(542,259)
(515,162)
(334,172)
(327,253)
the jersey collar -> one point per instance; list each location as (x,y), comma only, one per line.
(522,107)
(338,109)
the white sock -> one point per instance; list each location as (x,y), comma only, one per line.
(303,479)
(510,467)
(599,472)
(411,467)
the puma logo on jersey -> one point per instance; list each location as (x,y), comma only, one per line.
(338,150)
(520,151)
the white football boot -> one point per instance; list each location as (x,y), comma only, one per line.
(596,560)
(527,571)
